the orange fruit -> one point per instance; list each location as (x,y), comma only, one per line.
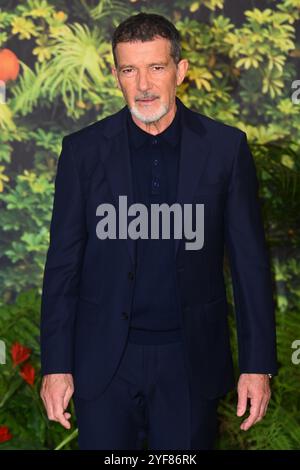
(9,65)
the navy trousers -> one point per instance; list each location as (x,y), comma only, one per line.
(147,405)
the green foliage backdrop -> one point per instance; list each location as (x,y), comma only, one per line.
(240,74)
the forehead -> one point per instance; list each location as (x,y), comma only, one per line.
(138,52)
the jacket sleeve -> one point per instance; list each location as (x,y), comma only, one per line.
(250,267)
(62,267)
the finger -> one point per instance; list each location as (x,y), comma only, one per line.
(49,409)
(266,407)
(58,411)
(61,418)
(43,398)
(254,413)
(269,394)
(264,404)
(67,396)
(263,408)
(48,405)
(67,417)
(242,401)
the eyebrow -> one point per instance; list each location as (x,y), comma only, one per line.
(150,65)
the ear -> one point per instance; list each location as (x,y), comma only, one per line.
(115,74)
(182,69)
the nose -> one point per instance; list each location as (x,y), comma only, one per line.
(143,82)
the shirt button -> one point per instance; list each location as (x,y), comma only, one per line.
(155,162)
(130,275)
(154,141)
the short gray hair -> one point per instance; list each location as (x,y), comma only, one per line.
(144,27)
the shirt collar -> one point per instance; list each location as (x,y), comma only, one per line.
(170,135)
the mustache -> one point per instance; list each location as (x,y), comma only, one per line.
(148,97)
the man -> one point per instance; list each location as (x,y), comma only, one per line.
(136,327)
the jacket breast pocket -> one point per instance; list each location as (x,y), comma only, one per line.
(210,190)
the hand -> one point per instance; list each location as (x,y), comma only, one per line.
(257,388)
(56,391)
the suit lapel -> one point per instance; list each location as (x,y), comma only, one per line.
(194,152)
(119,175)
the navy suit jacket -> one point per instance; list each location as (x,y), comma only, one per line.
(88,283)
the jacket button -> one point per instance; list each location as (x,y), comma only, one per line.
(131,275)
(125,315)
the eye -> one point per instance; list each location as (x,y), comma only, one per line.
(158,67)
(127,70)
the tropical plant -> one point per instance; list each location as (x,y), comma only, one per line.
(58,80)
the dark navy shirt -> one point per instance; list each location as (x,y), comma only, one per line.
(155,167)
